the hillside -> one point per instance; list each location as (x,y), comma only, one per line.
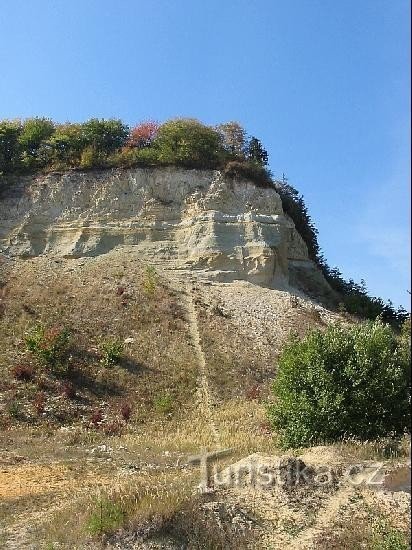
(178,289)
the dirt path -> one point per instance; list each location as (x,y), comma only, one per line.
(205,398)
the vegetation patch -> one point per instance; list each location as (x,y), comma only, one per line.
(111,352)
(38,144)
(345,381)
(48,345)
(351,297)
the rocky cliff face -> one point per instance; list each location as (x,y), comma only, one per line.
(189,219)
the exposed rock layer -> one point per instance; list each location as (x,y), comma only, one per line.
(192,219)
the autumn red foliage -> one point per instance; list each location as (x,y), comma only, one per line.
(39,402)
(126,411)
(23,372)
(96,417)
(143,134)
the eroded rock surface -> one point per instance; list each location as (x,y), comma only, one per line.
(192,219)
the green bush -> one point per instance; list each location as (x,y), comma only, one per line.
(91,158)
(111,351)
(163,403)
(386,537)
(106,517)
(105,136)
(67,144)
(189,143)
(150,280)
(34,132)
(129,157)
(247,170)
(48,345)
(9,146)
(346,381)
(15,409)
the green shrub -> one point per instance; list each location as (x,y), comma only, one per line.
(129,157)
(149,156)
(34,132)
(105,136)
(189,143)
(106,517)
(67,144)
(150,279)
(163,403)
(9,146)
(112,351)
(247,170)
(48,345)
(386,537)
(14,408)
(91,158)
(346,381)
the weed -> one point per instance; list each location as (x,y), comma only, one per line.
(48,345)
(218,310)
(39,402)
(113,428)
(163,403)
(265,428)
(386,537)
(371,532)
(342,308)
(126,411)
(106,517)
(28,309)
(291,528)
(111,351)
(14,408)
(314,314)
(42,383)
(96,418)
(197,526)
(253,392)
(23,372)
(68,390)
(294,301)
(150,279)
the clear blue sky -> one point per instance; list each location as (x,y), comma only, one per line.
(324,83)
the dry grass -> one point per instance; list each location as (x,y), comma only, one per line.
(381,449)
(154,498)
(367,528)
(86,299)
(144,475)
(101,300)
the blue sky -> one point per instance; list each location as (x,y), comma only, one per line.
(325,84)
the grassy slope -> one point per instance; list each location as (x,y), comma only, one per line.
(54,465)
